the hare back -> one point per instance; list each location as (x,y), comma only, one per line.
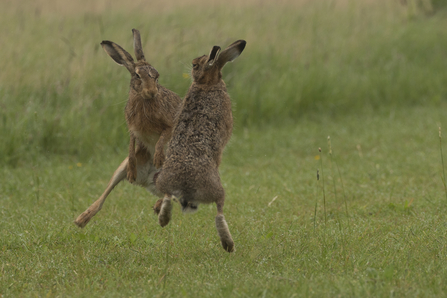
(203,126)
(202,129)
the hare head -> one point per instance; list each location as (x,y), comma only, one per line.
(144,76)
(207,69)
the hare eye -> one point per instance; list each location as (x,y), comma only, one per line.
(194,65)
(137,75)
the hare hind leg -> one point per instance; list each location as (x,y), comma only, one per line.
(144,167)
(165,213)
(222,229)
(119,174)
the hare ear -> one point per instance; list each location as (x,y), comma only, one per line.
(213,55)
(231,52)
(137,45)
(119,55)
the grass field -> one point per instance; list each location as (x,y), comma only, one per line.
(391,241)
(370,74)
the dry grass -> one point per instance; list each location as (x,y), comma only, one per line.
(63,36)
(70,8)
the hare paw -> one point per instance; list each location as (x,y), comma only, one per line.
(164,216)
(83,219)
(163,220)
(228,245)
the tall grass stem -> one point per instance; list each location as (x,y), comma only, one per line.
(324,193)
(442,162)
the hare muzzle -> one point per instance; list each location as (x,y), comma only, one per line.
(150,92)
(148,85)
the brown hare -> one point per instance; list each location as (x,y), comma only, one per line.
(150,113)
(201,131)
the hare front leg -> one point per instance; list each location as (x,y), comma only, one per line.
(159,156)
(222,228)
(132,163)
(118,176)
(164,216)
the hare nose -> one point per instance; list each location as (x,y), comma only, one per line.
(151,93)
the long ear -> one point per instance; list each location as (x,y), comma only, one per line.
(119,55)
(213,55)
(231,52)
(137,45)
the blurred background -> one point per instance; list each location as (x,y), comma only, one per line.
(61,95)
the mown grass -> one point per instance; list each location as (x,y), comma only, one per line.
(392,243)
(371,75)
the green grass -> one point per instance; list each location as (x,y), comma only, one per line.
(372,76)
(302,58)
(393,242)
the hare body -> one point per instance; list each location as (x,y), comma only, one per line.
(201,131)
(150,112)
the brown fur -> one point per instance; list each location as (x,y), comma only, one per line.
(157,206)
(200,133)
(150,114)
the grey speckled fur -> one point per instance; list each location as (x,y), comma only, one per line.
(201,131)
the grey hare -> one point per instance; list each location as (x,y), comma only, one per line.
(150,112)
(201,131)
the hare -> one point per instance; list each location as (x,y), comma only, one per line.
(150,113)
(201,131)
